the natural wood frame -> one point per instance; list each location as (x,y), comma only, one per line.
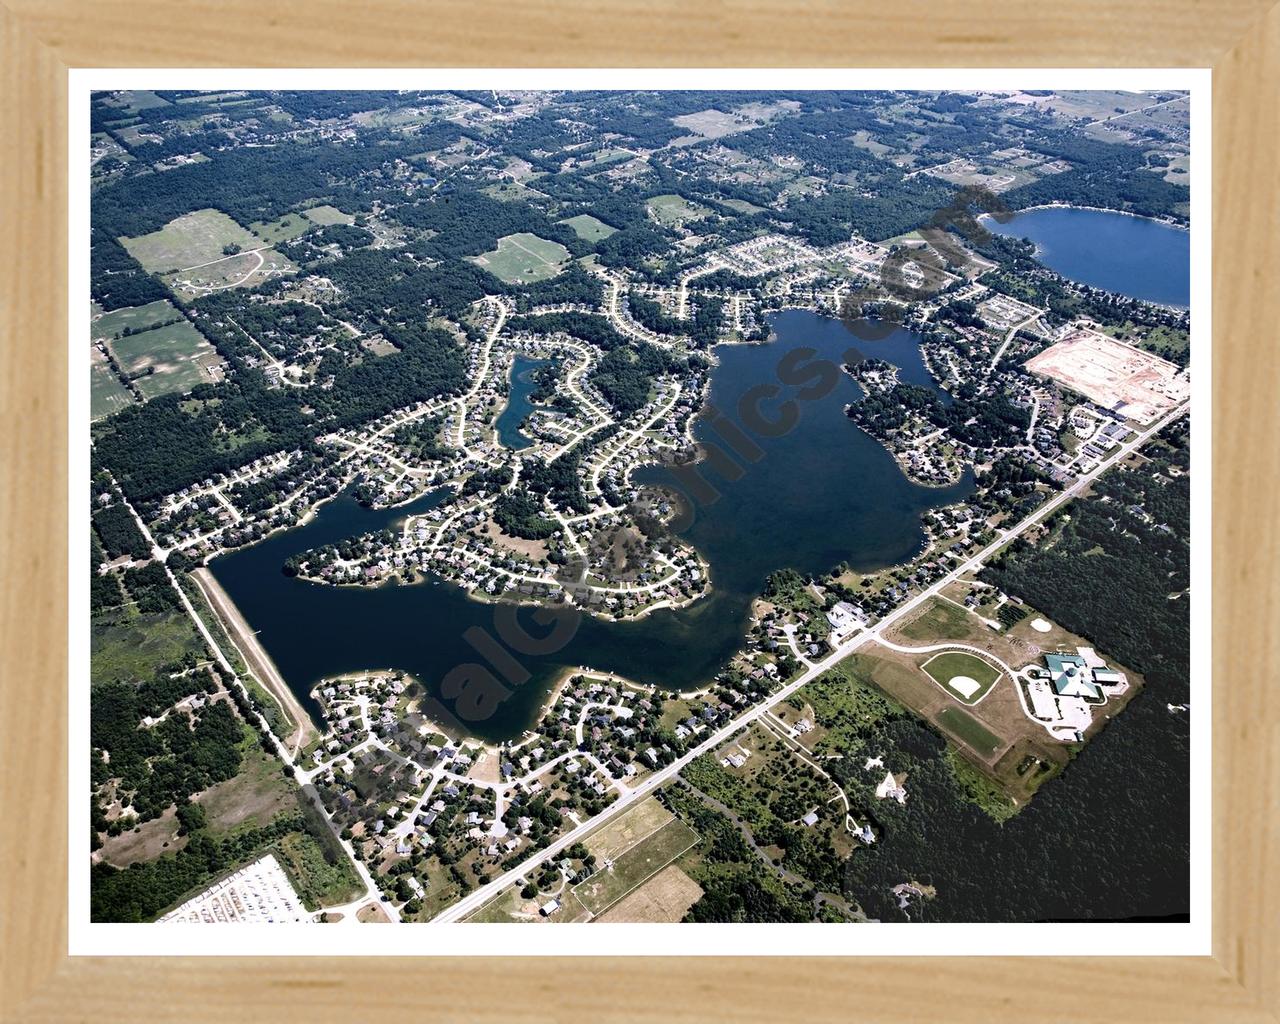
(41,39)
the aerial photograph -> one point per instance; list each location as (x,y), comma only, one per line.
(638,506)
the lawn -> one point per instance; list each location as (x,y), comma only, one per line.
(943,668)
(967,728)
(524,258)
(106,394)
(588,228)
(137,318)
(178,355)
(641,862)
(941,620)
(188,241)
(125,644)
(327,215)
(291,225)
(672,210)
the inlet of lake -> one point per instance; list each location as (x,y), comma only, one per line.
(518,404)
(1135,256)
(823,493)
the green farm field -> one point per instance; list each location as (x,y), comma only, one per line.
(179,353)
(588,228)
(324,215)
(188,241)
(291,225)
(139,318)
(671,210)
(524,258)
(106,394)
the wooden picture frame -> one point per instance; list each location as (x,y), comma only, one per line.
(42,39)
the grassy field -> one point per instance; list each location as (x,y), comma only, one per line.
(291,225)
(672,210)
(254,796)
(248,270)
(940,620)
(524,258)
(968,729)
(134,100)
(663,899)
(318,881)
(641,862)
(627,829)
(106,394)
(139,318)
(327,215)
(179,353)
(124,644)
(188,241)
(944,667)
(588,228)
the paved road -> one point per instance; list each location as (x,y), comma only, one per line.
(479,897)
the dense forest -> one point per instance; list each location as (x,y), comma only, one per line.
(1118,569)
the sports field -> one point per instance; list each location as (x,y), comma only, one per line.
(291,225)
(138,318)
(588,228)
(188,241)
(965,727)
(635,866)
(965,676)
(182,358)
(672,210)
(327,215)
(106,394)
(523,258)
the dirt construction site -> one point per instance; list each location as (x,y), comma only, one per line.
(1132,383)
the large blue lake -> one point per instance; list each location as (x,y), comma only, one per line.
(1133,256)
(821,494)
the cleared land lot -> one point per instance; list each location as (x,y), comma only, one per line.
(664,899)
(327,215)
(673,210)
(191,240)
(589,228)
(629,828)
(643,860)
(1133,383)
(522,258)
(179,354)
(965,675)
(137,318)
(106,394)
(291,225)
